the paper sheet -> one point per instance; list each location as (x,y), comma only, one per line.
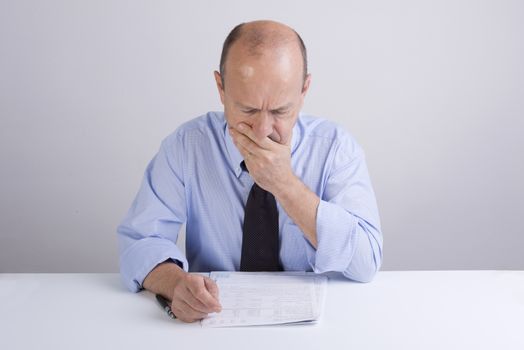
(250,299)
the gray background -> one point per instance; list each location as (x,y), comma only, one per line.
(433,90)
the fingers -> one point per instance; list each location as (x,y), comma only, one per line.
(200,292)
(246,153)
(187,297)
(186,313)
(244,143)
(245,136)
(192,300)
(211,287)
(248,149)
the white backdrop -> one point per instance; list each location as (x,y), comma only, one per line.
(433,91)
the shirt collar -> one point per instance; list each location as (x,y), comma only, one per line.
(235,157)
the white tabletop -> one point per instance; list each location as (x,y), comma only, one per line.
(398,310)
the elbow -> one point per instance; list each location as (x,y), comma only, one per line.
(366,262)
(362,275)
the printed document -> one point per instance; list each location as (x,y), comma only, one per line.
(262,298)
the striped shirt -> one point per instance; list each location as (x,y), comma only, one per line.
(196,179)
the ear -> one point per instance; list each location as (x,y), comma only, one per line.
(305,87)
(220,86)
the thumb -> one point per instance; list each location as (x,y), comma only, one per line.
(211,287)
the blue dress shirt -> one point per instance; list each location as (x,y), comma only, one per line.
(196,179)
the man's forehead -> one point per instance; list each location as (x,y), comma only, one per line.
(244,62)
(278,70)
(246,71)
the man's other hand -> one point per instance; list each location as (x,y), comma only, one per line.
(192,296)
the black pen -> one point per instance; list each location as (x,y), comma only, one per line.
(164,303)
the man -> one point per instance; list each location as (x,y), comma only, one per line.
(260,187)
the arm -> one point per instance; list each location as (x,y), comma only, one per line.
(147,235)
(342,227)
(301,204)
(348,224)
(149,257)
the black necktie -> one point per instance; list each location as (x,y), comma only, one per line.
(260,240)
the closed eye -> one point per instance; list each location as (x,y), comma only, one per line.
(279,112)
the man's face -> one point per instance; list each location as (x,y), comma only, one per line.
(265,92)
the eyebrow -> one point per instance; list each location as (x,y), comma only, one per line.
(286,106)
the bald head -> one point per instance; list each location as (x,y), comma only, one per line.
(258,38)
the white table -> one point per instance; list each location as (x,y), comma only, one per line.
(398,310)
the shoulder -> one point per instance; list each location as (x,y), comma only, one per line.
(321,131)
(199,129)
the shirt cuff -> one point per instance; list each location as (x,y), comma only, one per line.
(143,256)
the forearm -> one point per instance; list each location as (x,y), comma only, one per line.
(301,204)
(163,279)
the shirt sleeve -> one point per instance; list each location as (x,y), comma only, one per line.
(147,235)
(349,236)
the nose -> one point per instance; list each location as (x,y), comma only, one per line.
(263,125)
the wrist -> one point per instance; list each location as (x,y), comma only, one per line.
(164,278)
(286,187)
